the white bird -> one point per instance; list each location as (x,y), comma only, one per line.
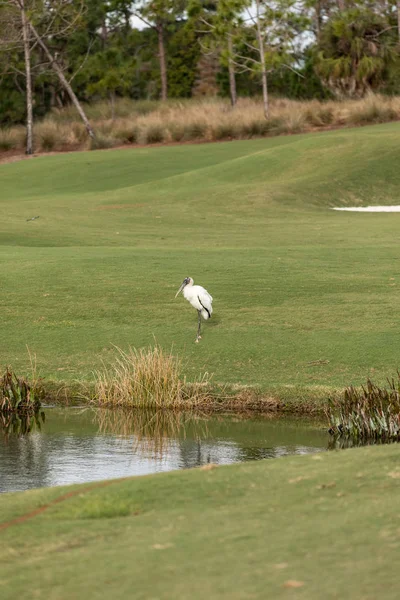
(199,298)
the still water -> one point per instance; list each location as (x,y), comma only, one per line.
(76,445)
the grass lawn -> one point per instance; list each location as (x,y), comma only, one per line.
(305,298)
(318,526)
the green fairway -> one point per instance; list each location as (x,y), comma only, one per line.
(304,296)
(319,526)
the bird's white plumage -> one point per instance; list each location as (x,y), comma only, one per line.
(199,298)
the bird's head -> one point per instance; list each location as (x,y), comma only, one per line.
(186,281)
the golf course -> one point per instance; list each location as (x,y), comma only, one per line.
(305,297)
(93,248)
(311,527)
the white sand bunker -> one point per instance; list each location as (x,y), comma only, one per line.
(395,208)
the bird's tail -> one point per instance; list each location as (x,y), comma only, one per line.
(206,314)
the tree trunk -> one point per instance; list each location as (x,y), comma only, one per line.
(398,18)
(264,79)
(63,80)
(231,70)
(112,104)
(318,21)
(104,34)
(265,92)
(163,64)
(29,103)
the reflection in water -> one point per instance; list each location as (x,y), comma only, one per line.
(152,430)
(343,442)
(77,445)
(21,422)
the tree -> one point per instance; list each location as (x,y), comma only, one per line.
(217,22)
(108,75)
(206,83)
(263,40)
(160,15)
(321,11)
(356,50)
(64,82)
(31,23)
(15,32)
(183,51)
(398,17)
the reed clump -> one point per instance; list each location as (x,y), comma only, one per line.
(368,413)
(194,120)
(16,394)
(147,378)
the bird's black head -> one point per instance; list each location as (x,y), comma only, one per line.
(185,282)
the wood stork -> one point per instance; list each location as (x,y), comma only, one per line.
(199,298)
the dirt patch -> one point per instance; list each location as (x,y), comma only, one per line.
(16,155)
(42,509)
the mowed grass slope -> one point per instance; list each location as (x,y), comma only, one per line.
(304,296)
(319,526)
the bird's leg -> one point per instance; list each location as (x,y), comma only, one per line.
(198,328)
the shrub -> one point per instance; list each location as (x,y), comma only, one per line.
(48,136)
(319,116)
(9,139)
(368,413)
(154,133)
(79,131)
(126,132)
(275,126)
(195,130)
(16,394)
(101,142)
(256,127)
(293,122)
(177,132)
(151,122)
(372,110)
(222,131)
(145,378)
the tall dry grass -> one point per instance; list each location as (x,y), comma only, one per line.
(147,378)
(152,122)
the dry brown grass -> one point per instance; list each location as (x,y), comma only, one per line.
(12,138)
(147,378)
(197,120)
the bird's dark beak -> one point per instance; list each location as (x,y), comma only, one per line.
(180,289)
(184,282)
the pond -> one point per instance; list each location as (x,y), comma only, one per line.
(76,445)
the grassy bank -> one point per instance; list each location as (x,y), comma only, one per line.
(300,527)
(152,122)
(305,298)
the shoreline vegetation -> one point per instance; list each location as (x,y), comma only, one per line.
(213,398)
(150,122)
(151,378)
